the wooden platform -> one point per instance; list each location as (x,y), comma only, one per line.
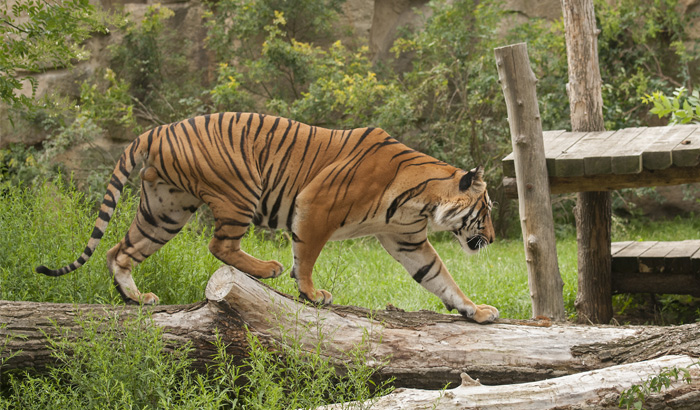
(608,160)
(658,267)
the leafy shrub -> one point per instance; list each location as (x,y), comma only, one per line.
(272,67)
(18,166)
(37,35)
(453,85)
(681,107)
(153,60)
(637,394)
(109,105)
(643,46)
(257,39)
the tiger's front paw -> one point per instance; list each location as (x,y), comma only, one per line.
(267,270)
(321,297)
(485,314)
(149,299)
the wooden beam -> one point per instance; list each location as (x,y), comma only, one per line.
(646,178)
(656,267)
(518,84)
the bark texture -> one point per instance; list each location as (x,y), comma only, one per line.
(598,389)
(421,349)
(594,300)
(518,83)
(593,232)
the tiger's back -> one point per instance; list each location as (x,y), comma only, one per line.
(320,184)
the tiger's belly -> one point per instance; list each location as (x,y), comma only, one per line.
(357,231)
(408,226)
(274,214)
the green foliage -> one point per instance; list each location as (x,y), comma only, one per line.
(643,46)
(17,165)
(51,36)
(453,85)
(636,395)
(111,107)
(681,107)
(112,365)
(153,60)
(116,363)
(267,42)
(344,91)
(235,26)
(546,47)
(272,68)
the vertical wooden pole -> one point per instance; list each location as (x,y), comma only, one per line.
(593,209)
(518,84)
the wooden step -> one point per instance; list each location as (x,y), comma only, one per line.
(656,267)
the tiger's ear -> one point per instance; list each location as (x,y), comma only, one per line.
(468,178)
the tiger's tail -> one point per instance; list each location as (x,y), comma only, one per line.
(134,154)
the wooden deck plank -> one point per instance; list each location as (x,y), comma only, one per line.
(570,163)
(687,153)
(695,262)
(663,268)
(549,137)
(607,157)
(685,248)
(657,155)
(555,146)
(656,282)
(655,259)
(626,151)
(627,260)
(597,160)
(616,247)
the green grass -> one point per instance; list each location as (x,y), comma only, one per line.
(51,224)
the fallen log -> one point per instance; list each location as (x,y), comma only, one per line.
(596,389)
(420,349)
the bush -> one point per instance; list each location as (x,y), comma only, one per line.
(643,46)
(681,107)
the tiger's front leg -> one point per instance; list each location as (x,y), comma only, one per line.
(421,261)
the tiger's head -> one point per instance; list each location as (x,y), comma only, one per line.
(466,211)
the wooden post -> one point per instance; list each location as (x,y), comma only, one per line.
(593,209)
(518,84)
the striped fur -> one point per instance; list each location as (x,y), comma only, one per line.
(319,184)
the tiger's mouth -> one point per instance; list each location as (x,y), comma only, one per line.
(477,242)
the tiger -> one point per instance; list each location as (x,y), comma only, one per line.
(319,184)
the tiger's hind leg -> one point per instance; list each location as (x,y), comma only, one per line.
(231,224)
(163,210)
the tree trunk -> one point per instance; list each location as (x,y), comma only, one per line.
(421,349)
(518,84)
(599,389)
(594,301)
(593,231)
